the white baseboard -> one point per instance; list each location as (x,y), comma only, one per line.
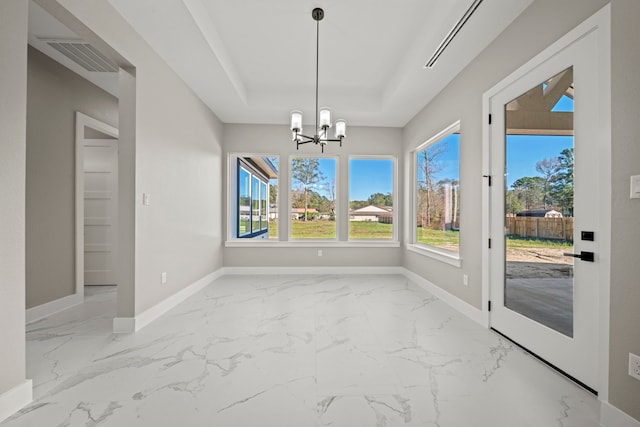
(463,307)
(133,324)
(610,416)
(126,325)
(312,270)
(36,313)
(15,399)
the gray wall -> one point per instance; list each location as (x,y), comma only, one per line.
(175,143)
(462,99)
(13,109)
(54,94)
(276,140)
(625,213)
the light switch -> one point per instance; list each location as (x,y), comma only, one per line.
(635,187)
(146,199)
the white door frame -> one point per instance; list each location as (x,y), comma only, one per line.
(82,121)
(600,22)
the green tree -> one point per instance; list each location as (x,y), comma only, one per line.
(429,164)
(377,199)
(562,182)
(530,191)
(306,171)
(548,169)
(273,193)
(513,203)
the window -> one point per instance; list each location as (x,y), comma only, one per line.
(255,207)
(313,198)
(371,198)
(437,191)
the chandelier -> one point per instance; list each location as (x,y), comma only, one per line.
(323,118)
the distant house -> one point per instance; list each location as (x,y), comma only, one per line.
(298,213)
(541,213)
(372,213)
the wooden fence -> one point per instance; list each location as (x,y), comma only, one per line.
(545,228)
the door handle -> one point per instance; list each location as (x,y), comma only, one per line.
(583,255)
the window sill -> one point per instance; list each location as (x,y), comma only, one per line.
(440,255)
(265,243)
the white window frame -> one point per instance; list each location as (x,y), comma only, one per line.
(290,204)
(394,160)
(440,254)
(233,172)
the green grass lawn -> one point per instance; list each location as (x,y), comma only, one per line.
(377,231)
(273,229)
(327,230)
(370,230)
(445,239)
(313,229)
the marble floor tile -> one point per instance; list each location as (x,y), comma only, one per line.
(295,350)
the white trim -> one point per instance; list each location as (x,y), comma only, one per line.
(269,243)
(232,189)
(290,187)
(600,20)
(610,416)
(231,271)
(413,245)
(123,325)
(395,198)
(453,301)
(433,252)
(82,121)
(13,400)
(39,312)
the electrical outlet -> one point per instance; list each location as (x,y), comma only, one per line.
(465,280)
(319,252)
(163,278)
(634,366)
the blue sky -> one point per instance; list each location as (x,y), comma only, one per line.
(449,159)
(524,151)
(370,176)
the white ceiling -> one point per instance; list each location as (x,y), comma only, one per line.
(253,61)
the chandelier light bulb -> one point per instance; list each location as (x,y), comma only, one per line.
(296,121)
(325,118)
(341,128)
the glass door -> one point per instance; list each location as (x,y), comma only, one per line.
(538,232)
(543,210)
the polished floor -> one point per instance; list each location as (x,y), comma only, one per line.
(292,351)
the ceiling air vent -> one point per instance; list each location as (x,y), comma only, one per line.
(83,54)
(454,32)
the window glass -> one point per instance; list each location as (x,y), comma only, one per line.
(254,197)
(313,198)
(255,204)
(438,192)
(263,206)
(371,198)
(244,202)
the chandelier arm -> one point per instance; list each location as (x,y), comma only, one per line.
(310,138)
